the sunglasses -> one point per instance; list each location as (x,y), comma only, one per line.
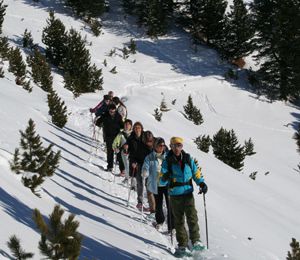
(160,145)
(176,145)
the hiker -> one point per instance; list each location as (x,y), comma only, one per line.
(112,124)
(104,102)
(121,148)
(121,108)
(179,169)
(138,150)
(155,185)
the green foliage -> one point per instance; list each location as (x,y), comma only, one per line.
(80,76)
(226,148)
(16,249)
(249,148)
(2,14)
(41,72)
(238,32)
(203,143)
(90,8)
(105,63)
(112,52)
(35,159)
(25,83)
(231,74)
(95,27)
(157,114)
(54,37)
(16,63)
(4,48)
(57,109)
(27,39)
(207,20)
(277,44)
(192,112)
(59,239)
(125,52)
(132,46)
(129,6)
(295,253)
(113,70)
(173,101)
(253,175)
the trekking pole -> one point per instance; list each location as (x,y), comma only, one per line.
(143,187)
(205,220)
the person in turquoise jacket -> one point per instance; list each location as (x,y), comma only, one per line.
(181,170)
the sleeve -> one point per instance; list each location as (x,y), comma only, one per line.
(117,142)
(196,172)
(164,175)
(145,167)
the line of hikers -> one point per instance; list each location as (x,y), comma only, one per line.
(147,161)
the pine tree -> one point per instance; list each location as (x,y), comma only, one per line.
(25,83)
(105,63)
(226,148)
(87,7)
(132,46)
(249,148)
(35,162)
(59,239)
(207,19)
(238,32)
(2,14)
(295,254)
(129,6)
(41,72)
(4,48)
(95,27)
(203,143)
(277,42)
(27,39)
(163,105)
(1,72)
(16,249)
(80,76)
(125,52)
(16,63)
(113,70)
(55,38)
(192,112)
(157,114)
(57,109)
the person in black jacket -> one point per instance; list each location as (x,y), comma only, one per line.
(140,144)
(112,124)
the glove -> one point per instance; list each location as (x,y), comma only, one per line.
(144,174)
(202,188)
(91,110)
(116,150)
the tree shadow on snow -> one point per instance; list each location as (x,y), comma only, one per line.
(91,249)
(295,124)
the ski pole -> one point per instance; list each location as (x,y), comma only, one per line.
(205,220)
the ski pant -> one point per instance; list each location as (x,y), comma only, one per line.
(110,152)
(120,160)
(183,206)
(151,201)
(126,163)
(139,181)
(162,193)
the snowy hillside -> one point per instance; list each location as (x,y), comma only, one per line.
(247,219)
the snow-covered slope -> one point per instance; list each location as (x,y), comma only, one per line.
(247,219)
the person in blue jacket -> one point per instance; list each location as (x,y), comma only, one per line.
(180,170)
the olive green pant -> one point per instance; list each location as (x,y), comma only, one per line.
(183,206)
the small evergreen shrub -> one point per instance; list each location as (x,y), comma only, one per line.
(17,251)
(192,112)
(57,109)
(95,27)
(27,39)
(249,148)
(132,46)
(4,48)
(295,252)
(203,143)
(157,114)
(113,70)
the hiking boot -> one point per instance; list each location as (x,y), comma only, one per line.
(182,252)
(108,169)
(198,246)
(140,206)
(122,174)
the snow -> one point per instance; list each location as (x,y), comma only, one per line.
(266,210)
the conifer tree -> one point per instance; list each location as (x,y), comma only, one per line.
(132,46)
(16,63)
(129,6)
(59,239)
(157,114)
(1,72)
(35,162)
(192,112)
(203,143)
(27,39)
(297,138)
(277,42)
(4,48)
(238,32)
(95,27)
(207,19)
(80,76)
(2,14)
(226,148)
(87,7)
(249,148)
(40,69)
(54,37)
(163,105)
(295,254)
(125,52)
(17,251)
(57,109)
(113,70)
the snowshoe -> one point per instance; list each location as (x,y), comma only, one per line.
(182,252)
(198,246)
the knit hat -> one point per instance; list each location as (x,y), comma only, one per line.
(158,141)
(112,107)
(176,140)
